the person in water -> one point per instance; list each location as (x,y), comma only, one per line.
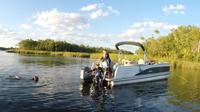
(35,78)
(98,76)
(15,77)
(98,71)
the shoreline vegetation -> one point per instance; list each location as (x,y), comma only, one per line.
(181,47)
(50,53)
(114,56)
(175,63)
(4,49)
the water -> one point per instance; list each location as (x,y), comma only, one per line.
(59,89)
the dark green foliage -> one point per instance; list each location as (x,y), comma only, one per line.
(3,48)
(51,45)
(27,44)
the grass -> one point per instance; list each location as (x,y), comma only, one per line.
(113,56)
(35,52)
(50,53)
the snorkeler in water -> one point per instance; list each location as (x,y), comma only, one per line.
(35,78)
(15,77)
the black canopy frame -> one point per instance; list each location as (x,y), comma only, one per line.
(132,43)
(129,43)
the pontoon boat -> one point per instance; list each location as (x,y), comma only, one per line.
(127,72)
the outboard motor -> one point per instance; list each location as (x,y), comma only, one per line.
(86,74)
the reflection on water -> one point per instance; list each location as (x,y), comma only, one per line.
(48,61)
(180,93)
(59,89)
(184,89)
(137,97)
(85,89)
(102,97)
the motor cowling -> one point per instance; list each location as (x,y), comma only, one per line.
(86,74)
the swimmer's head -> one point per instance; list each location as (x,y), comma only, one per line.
(35,78)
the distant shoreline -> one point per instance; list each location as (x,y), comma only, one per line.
(114,56)
(175,63)
(4,49)
(50,53)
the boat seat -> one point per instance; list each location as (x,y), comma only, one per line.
(128,62)
(141,61)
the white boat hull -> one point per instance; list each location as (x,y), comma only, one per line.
(140,79)
(139,73)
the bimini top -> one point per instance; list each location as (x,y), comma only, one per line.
(129,43)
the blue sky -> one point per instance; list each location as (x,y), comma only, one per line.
(90,22)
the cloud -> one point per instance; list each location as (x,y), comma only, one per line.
(114,11)
(99,10)
(102,13)
(90,7)
(26,26)
(98,13)
(103,39)
(7,42)
(176,9)
(9,37)
(7,33)
(61,25)
(56,21)
(15,34)
(147,27)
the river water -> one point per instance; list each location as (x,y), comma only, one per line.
(59,89)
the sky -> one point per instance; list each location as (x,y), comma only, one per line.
(99,23)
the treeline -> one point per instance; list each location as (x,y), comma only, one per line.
(181,43)
(52,45)
(3,48)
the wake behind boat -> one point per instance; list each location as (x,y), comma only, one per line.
(127,72)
